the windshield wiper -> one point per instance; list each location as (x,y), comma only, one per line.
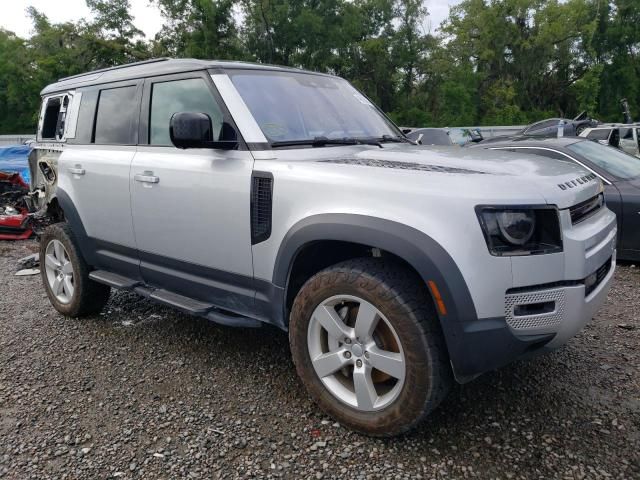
(322,141)
(396,139)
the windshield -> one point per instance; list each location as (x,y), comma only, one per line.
(298,106)
(619,164)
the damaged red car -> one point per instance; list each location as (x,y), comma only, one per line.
(14,211)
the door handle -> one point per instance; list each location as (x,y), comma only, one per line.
(146,177)
(77,170)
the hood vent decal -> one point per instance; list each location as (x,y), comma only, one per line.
(577,181)
(370,162)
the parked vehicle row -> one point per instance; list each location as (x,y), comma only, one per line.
(624,137)
(445,136)
(549,127)
(251,194)
(619,172)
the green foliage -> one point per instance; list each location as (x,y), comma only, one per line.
(17,76)
(492,62)
(198,29)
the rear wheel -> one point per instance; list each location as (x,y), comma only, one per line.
(368,346)
(65,274)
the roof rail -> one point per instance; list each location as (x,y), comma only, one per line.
(126,65)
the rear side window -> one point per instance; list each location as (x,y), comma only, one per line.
(626,133)
(602,134)
(188,95)
(116,117)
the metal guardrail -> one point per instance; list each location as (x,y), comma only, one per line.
(490,131)
(16,139)
(495,131)
(487,132)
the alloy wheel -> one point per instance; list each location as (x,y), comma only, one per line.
(59,271)
(356,353)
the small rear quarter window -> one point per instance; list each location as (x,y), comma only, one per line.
(50,121)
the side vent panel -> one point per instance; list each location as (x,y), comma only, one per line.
(261,202)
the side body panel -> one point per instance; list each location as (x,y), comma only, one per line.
(100,189)
(192,228)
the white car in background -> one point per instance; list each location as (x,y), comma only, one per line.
(625,137)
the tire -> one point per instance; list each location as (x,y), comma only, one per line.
(77,295)
(404,308)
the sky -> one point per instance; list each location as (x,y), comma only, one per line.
(147,17)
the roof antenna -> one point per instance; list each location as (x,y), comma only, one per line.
(625,111)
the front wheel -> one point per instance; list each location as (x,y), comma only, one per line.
(368,347)
(65,274)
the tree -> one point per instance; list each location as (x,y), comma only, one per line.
(112,36)
(199,29)
(493,61)
(18,84)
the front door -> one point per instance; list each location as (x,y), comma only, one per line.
(191,208)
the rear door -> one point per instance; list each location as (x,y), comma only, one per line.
(93,184)
(191,208)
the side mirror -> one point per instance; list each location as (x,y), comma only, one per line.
(194,130)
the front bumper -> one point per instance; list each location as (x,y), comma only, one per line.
(491,343)
(539,317)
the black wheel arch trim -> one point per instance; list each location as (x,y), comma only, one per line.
(423,253)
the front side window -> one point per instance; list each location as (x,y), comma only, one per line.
(188,95)
(116,117)
(617,163)
(291,106)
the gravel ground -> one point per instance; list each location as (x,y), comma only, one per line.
(143,392)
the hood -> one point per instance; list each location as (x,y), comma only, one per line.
(484,174)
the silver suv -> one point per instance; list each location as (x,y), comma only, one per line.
(253,195)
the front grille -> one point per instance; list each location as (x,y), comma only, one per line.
(585,209)
(261,202)
(601,274)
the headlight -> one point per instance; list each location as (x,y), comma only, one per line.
(520,230)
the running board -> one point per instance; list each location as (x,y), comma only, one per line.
(233,320)
(180,302)
(113,279)
(185,304)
